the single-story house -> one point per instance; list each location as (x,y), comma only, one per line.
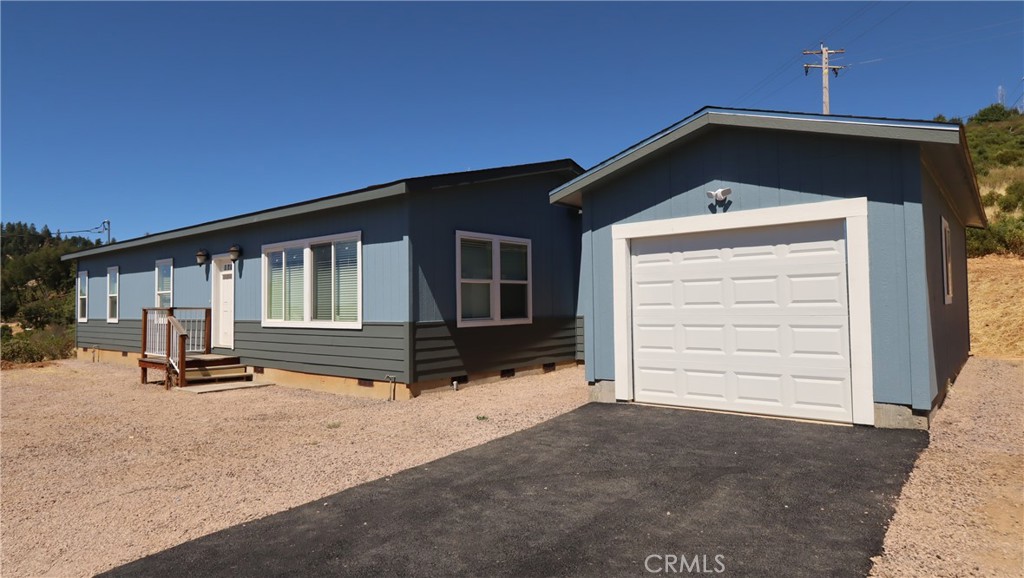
(775,263)
(411,284)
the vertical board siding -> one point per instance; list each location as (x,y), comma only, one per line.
(125,335)
(950,327)
(764,169)
(516,207)
(443,351)
(379,349)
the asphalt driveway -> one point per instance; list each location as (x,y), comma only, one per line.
(605,490)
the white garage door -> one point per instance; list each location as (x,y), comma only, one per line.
(750,320)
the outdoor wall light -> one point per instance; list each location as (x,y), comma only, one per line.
(202,256)
(234,252)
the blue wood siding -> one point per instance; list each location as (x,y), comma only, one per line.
(375,351)
(767,169)
(512,207)
(385,263)
(950,334)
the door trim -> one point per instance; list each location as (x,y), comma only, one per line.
(214,294)
(855,214)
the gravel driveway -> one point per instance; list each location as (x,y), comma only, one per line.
(961,512)
(98,470)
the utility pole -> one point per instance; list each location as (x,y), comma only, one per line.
(106,225)
(825,69)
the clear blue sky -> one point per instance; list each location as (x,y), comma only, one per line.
(157,116)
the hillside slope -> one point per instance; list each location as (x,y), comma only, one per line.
(994,285)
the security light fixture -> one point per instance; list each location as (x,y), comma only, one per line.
(202,256)
(234,252)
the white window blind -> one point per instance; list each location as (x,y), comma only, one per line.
(314,282)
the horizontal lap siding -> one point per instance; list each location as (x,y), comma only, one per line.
(579,338)
(125,335)
(443,351)
(379,349)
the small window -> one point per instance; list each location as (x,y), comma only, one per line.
(83,296)
(113,282)
(493,280)
(947,262)
(165,283)
(314,283)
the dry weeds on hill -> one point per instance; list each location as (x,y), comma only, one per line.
(995,287)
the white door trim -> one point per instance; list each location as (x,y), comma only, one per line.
(214,300)
(853,211)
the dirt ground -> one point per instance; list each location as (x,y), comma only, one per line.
(994,285)
(961,512)
(98,470)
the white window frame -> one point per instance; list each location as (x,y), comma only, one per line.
(116,295)
(307,271)
(83,283)
(495,281)
(947,262)
(156,283)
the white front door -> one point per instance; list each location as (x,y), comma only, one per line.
(752,320)
(223,329)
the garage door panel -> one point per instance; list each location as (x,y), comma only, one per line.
(754,322)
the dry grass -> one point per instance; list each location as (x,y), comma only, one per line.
(995,284)
(999,178)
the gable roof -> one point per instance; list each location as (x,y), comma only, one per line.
(944,143)
(371,193)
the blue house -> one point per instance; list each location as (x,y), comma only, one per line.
(784,264)
(384,291)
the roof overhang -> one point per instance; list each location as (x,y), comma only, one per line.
(938,139)
(568,167)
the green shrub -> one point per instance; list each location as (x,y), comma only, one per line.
(1009,157)
(990,199)
(33,345)
(57,310)
(1008,204)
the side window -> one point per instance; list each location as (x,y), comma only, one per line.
(83,296)
(113,292)
(493,280)
(165,283)
(947,262)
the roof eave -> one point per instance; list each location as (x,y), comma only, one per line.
(571,192)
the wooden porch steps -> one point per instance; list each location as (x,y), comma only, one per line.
(204,373)
(223,386)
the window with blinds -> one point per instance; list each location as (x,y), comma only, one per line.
(314,282)
(493,280)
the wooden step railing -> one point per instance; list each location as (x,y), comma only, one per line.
(172,333)
(156,333)
(177,353)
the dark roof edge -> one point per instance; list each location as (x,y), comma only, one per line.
(371,193)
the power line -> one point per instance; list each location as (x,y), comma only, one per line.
(773,75)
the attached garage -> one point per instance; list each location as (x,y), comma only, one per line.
(778,299)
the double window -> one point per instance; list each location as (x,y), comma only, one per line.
(314,283)
(113,292)
(83,296)
(165,283)
(494,280)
